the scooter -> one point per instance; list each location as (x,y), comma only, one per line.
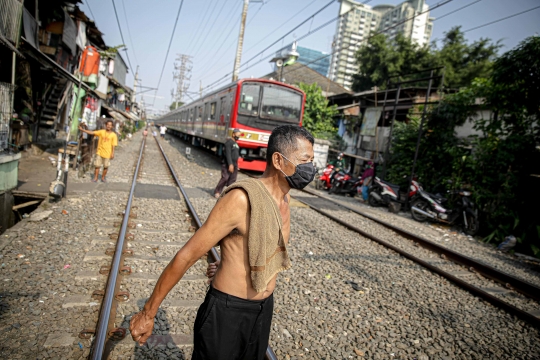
(324,181)
(385,193)
(344,183)
(429,206)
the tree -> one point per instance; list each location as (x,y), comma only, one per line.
(175,105)
(464,62)
(318,116)
(382,58)
(503,164)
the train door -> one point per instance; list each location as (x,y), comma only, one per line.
(198,120)
(212,120)
(224,118)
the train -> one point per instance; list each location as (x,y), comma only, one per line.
(254,106)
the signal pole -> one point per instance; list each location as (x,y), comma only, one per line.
(236,69)
(182,75)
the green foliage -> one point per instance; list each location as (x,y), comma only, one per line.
(318,116)
(111,52)
(175,105)
(381,58)
(503,157)
(464,62)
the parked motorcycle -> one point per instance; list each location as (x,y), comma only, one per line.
(324,181)
(429,206)
(385,193)
(344,183)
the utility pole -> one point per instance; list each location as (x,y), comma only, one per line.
(135,83)
(200,89)
(182,75)
(236,69)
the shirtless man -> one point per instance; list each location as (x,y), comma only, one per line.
(235,305)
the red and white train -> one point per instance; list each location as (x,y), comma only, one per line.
(255,106)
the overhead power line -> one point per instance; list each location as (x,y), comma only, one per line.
(501,19)
(275,42)
(342,47)
(442,3)
(89,8)
(461,8)
(210,28)
(122,36)
(129,34)
(168,48)
(197,33)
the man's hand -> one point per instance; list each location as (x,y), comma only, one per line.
(80,128)
(141,326)
(231,168)
(211,270)
(112,156)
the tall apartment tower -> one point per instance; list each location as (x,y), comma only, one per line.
(358,21)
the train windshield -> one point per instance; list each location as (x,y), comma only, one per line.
(267,106)
(281,104)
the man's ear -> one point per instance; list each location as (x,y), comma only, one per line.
(277,161)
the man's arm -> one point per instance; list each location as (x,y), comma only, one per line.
(229,213)
(228,152)
(89,132)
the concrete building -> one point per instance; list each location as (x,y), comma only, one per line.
(314,59)
(359,21)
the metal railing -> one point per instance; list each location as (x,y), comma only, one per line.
(10,19)
(6,112)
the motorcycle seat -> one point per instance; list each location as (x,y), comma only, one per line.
(437,197)
(394,187)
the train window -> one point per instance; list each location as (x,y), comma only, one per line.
(213,111)
(249,102)
(281,104)
(199,117)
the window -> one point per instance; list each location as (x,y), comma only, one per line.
(213,111)
(282,104)
(249,100)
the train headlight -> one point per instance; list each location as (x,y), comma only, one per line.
(243,152)
(262,152)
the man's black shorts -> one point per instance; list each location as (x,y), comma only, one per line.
(231,328)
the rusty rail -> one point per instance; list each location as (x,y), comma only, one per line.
(270,355)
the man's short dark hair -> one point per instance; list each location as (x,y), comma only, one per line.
(109,121)
(284,140)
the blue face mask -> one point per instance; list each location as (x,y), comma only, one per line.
(303,174)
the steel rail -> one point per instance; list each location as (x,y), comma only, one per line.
(511,309)
(107,303)
(526,288)
(270,355)
(530,318)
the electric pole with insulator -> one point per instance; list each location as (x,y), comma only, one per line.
(238,58)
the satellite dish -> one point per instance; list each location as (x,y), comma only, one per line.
(279,63)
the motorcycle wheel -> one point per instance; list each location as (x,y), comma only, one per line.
(422,205)
(371,200)
(333,189)
(473,225)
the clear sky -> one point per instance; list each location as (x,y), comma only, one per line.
(208,31)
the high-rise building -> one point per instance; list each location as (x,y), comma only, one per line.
(358,21)
(314,59)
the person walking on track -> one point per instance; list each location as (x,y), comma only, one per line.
(162,131)
(229,163)
(105,151)
(251,223)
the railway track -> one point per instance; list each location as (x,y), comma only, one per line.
(145,243)
(514,295)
